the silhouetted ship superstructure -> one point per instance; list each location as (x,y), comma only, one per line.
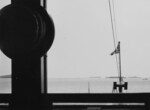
(26,42)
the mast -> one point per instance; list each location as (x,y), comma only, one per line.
(121,85)
(117,50)
(120,77)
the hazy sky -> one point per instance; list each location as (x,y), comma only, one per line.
(84,41)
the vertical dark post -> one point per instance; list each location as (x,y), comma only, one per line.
(46,104)
(45,73)
(44,61)
(27,81)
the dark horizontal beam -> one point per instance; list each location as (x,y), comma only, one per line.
(26,2)
(81,97)
(143,98)
(5,98)
(129,97)
(53,99)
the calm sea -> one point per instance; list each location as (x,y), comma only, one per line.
(85,85)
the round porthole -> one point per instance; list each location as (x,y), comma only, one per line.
(25,31)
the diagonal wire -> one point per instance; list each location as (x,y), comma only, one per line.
(115,29)
(114,20)
(112,24)
(113,32)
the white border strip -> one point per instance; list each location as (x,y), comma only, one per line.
(95,104)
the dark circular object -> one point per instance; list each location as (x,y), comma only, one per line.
(25,31)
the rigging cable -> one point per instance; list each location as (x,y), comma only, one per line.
(114,19)
(113,30)
(118,65)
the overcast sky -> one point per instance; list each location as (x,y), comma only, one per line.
(84,39)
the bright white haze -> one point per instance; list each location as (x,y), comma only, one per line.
(84,40)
